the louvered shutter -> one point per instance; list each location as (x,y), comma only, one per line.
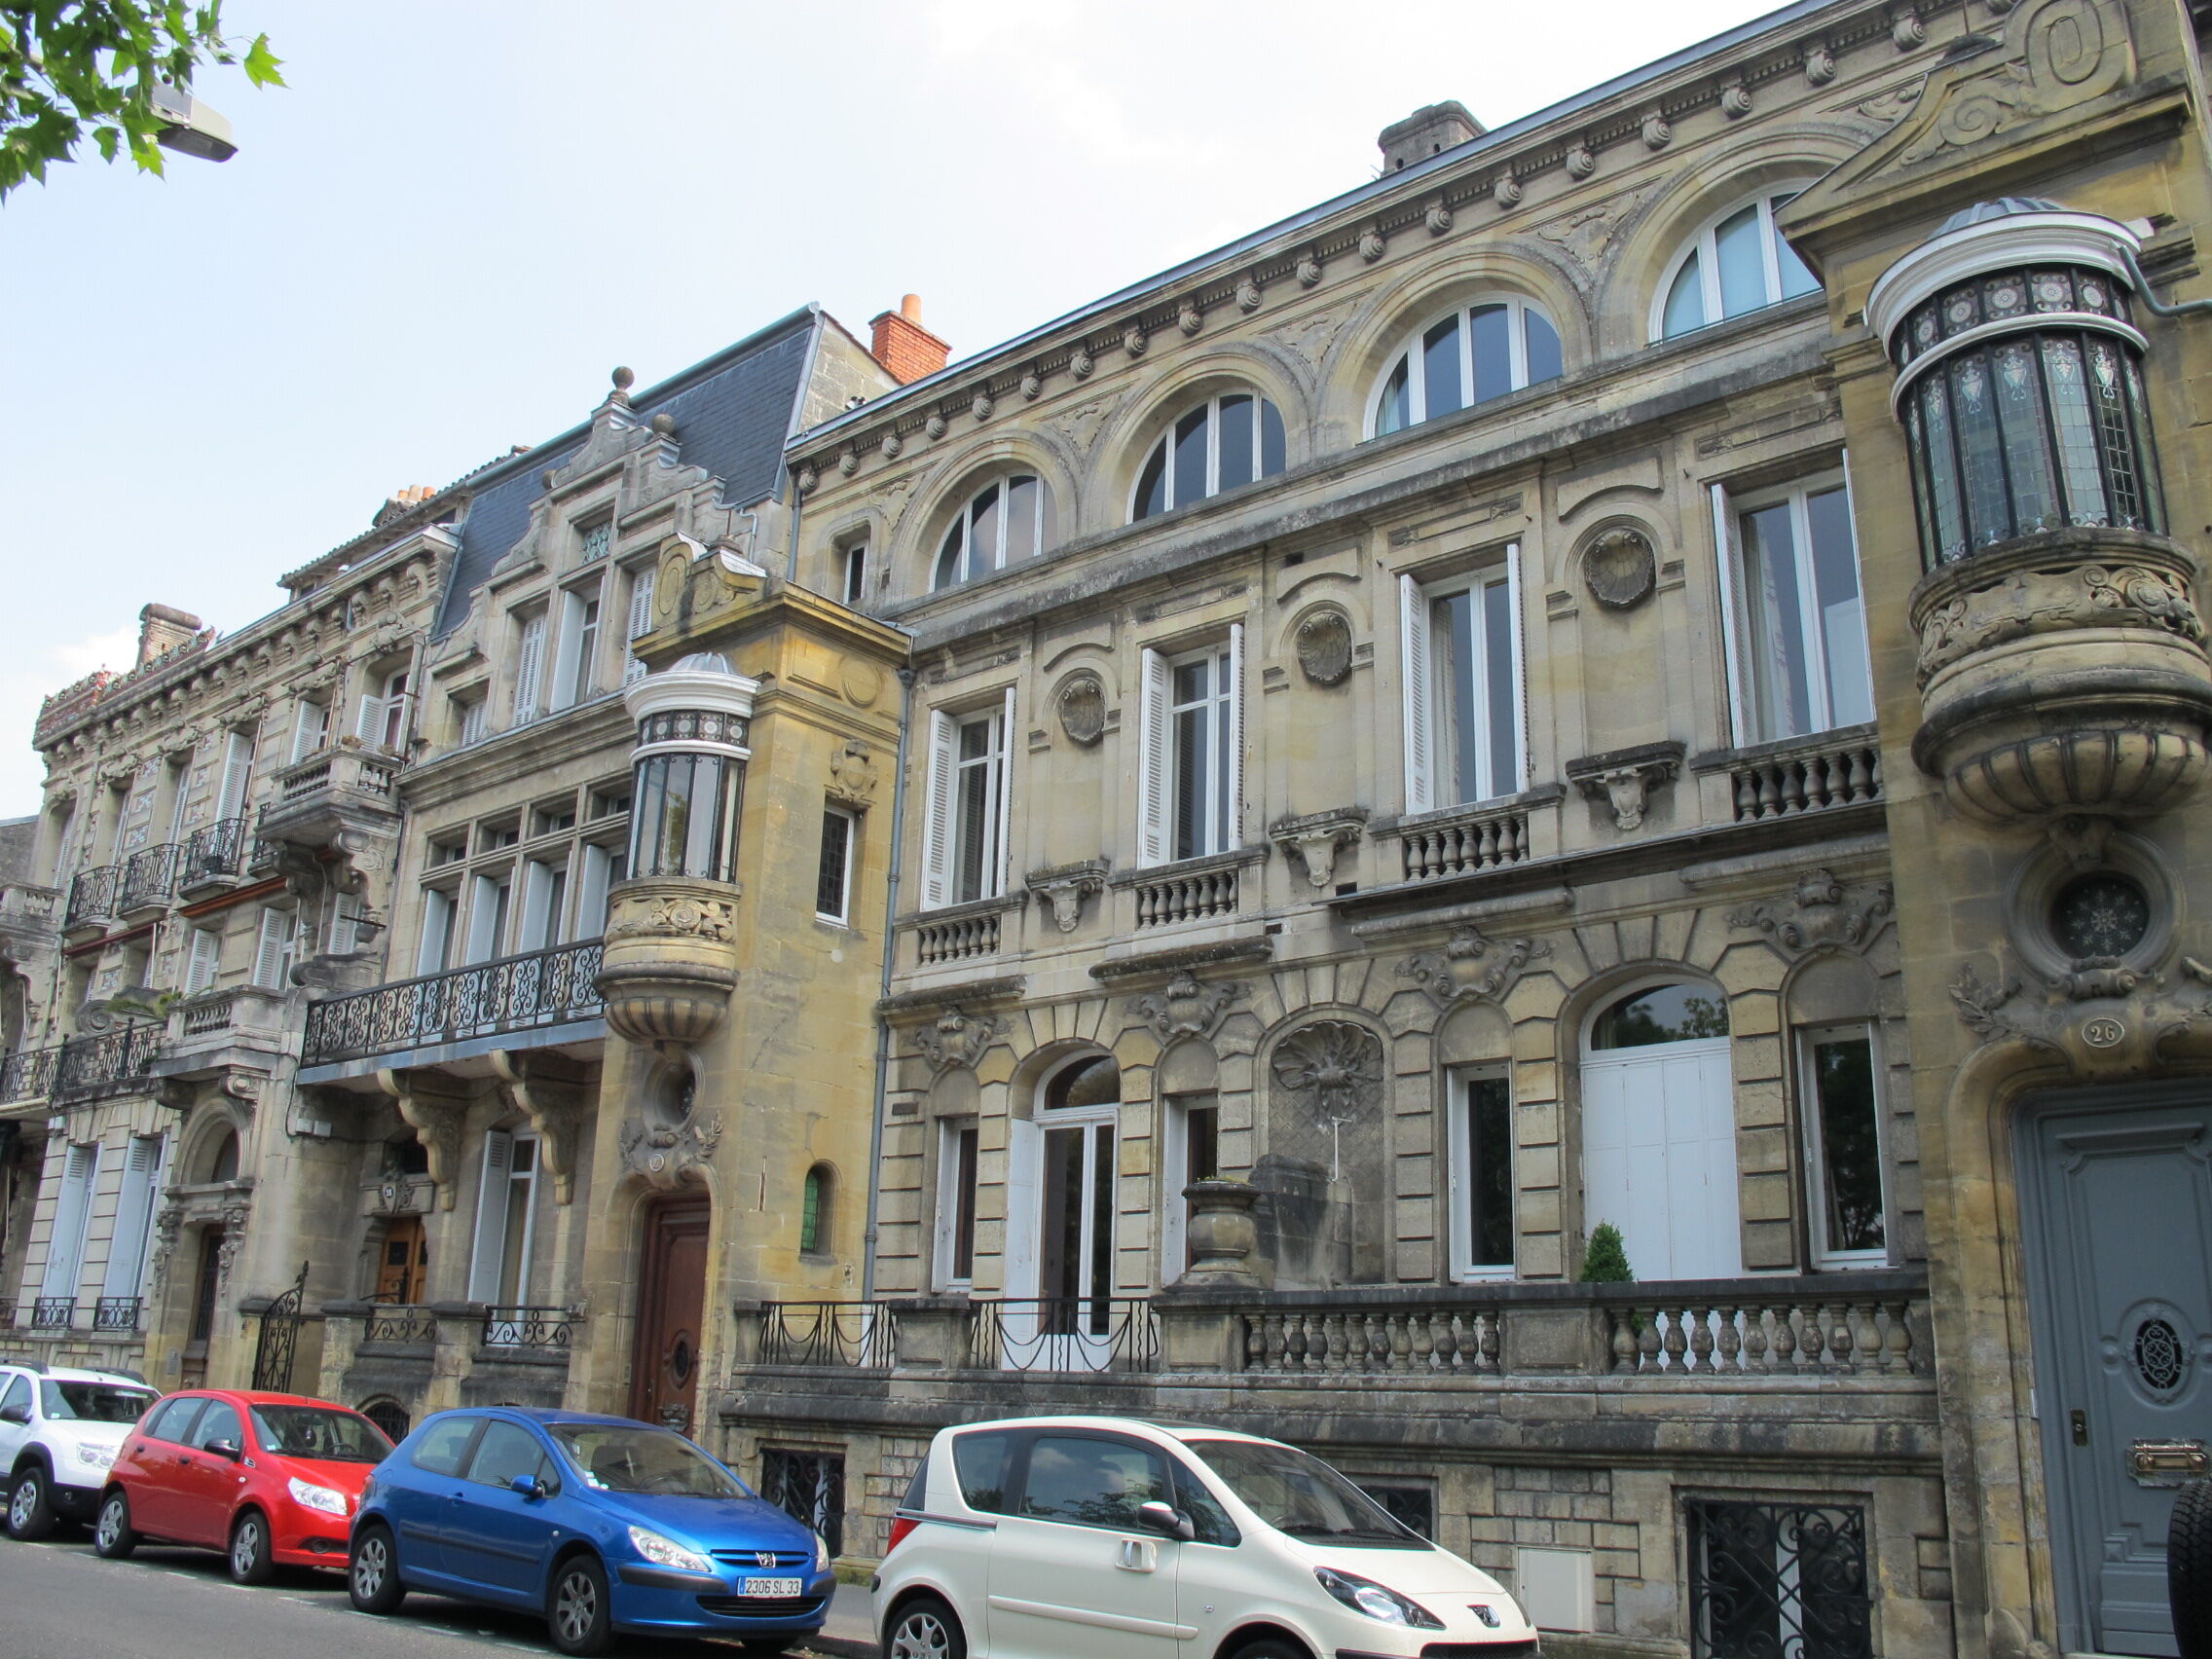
(1152,759)
(133,1207)
(206,958)
(484,1260)
(65,1238)
(273,951)
(641,623)
(345,924)
(1005,802)
(936,816)
(310,729)
(437,931)
(368,722)
(1419,696)
(591,892)
(1235,736)
(1726,564)
(529,661)
(1519,667)
(238,773)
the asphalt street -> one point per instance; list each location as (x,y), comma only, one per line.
(60,1600)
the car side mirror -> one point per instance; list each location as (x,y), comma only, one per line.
(230,1449)
(21,1413)
(531,1487)
(1168,1521)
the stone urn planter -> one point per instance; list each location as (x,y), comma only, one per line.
(1222,1233)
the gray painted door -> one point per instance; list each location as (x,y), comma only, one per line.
(2118,1201)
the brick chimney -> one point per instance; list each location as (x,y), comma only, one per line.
(1429,131)
(903,346)
(160,629)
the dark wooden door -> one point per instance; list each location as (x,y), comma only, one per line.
(664,1371)
(406,1265)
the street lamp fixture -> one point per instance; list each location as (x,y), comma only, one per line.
(192,128)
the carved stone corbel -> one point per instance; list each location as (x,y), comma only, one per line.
(1065,887)
(555,1092)
(1624,778)
(434,1104)
(1472,966)
(853,774)
(1823,913)
(956,1039)
(1318,839)
(1185,1007)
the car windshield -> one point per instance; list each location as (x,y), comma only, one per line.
(95,1402)
(658,1462)
(1303,1495)
(321,1433)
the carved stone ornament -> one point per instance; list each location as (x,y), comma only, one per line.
(1080,363)
(1331,1069)
(1317,839)
(1581,161)
(1189,318)
(1472,967)
(1063,889)
(1133,339)
(1032,385)
(853,773)
(1185,1007)
(1735,101)
(891,445)
(1248,295)
(956,1039)
(1823,914)
(1657,133)
(849,462)
(935,425)
(982,407)
(236,1214)
(2052,599)
(1624,779)
(807,479)
(1820,65)
(2059,53)
(1505,190)
(1308,271)
(682,917)
(169,1225)
(1371,244)
(1907,31)
(2109,1026)
(1082,706)
(662,1152)
(1324,648)
(1620,568)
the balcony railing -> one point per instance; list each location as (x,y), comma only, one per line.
(1463,841)
(957,940)
(53,1313)
(28,1074)
(850,1335)
(222,851)
(336,768)
(539,987)
(538,1330)
(114,1313)
(92,896)
(26,906)
(1063,1332)
(206,1015)
(400,1324)
(1188,896)
(1838,769)
(149,877)
(111,1063)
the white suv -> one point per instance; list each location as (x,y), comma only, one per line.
(1077,1537)
(60,1431)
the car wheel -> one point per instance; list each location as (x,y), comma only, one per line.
(31,1512)
(576,1608)
(2188,1570)
(925,1629)
(372,1576)
(250,1560)
(112,1536)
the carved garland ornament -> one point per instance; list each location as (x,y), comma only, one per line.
(2051,601)
(956,1039)
(713,919)
(1471,967)
(1822,914)
(1186,1008)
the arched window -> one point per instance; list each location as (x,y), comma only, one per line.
(1478,352)
(1003,523)
(1092,1081)
(1736,263)
(1222,443)
(1661,1014)
(814,1210)
(223,1159)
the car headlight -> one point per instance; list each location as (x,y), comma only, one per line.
(1365,1595)
(821,1553)
(666,1552)
(322,1497)
(97,1457)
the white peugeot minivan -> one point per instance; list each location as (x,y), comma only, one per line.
(1081,1537)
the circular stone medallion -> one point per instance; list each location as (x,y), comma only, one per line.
(1619,568)
(1083,709)
(1324,648)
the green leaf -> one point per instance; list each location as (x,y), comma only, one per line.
(261,63)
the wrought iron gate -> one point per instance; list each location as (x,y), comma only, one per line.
(810,1487)
(279,1338)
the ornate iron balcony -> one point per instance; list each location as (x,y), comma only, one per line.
(115,1313)
(215,852)
(862,1334)
(545,1330)
(88,1068)
(149,877)
(539,987)
(28,1074)
(92,896)
(400,1323)
(1063,1332)
(53,1313)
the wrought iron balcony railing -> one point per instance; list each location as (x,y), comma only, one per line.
(92,896)
(219,851)
(28,1074)
(115,1313)
(149,877)
(1063,1332)
(858,1335)
(540,1330)
(403,1324)
(83,1068)
(513,993)
(53,1313)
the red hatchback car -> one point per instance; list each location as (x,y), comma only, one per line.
(270,1479)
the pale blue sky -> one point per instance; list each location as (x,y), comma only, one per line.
(463,213)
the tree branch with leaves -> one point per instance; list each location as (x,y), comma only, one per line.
(71,70)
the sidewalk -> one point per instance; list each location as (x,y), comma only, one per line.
(849,1632)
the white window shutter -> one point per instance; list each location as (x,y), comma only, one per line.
(1235,736)
(345,924)
(65,1239)
(937,818)
(1004,792)
(133,1207)
(205,960)
(1726,569)
(591,891)
(1520,666)
(641,623)
(1152,759)
(1419,696)
(529,657)
(565,653)
(437,931)
(368,723)
(484,1259)
(271,950)
(238,773)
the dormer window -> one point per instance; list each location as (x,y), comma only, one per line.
(1224,442)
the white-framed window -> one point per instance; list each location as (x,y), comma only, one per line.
(603,868)
(852,577)
(434,954)
(1840,1066)
(1465,706)
(580,646)
(594,540)
(273,949)
(959,1143)
(472,717)
(1221,443)
(506,1214)
(382,718)
(72,1216)
(131,1242)
(1193,1154)
(204,958)
(238,773)
(641,623)
(530,667)
(488,899)
(964,853)
(1796,636)
(178,783)
(834,875)
(1191,768)
(1480,1133)
(545,904)
(1002,524)
(310,727)
(1737,262)
(1468,356)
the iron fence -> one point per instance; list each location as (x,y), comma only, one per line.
(86,1068)
(540,1329)
(1778,1581)
(117,1313)
(538,987)
(54,1313)
(809,1486)
(215,851)
(401,1323)
(149,877)
(92,896)
(1063,1332)
(28,1074)
(856,1335)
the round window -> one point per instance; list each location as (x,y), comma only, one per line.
(2100,916)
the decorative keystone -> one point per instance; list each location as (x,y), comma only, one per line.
(1624,778)
(1318,839)
(1065,887)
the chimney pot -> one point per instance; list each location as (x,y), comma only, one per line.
(162,628)
(904,347)
(910,307)
(1429,131)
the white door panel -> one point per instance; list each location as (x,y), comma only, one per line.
(1659,1158)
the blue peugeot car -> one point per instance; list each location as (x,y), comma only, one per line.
(600,1524)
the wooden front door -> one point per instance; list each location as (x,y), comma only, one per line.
(405,1267)
(664,1370)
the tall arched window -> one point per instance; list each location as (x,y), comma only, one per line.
(1003,522)
(1222,443)
(1478,352)
(223,1159)
(814,1211)
(1736,263)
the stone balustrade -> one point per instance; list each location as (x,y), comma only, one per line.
(1463,841)
(1838,769)
(957,939)
(1186,895)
